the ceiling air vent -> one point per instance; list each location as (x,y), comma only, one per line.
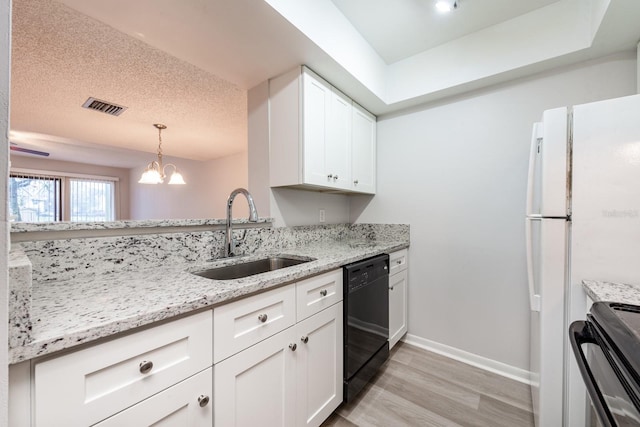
(104,106)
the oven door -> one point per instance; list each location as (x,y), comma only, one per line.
(613,392)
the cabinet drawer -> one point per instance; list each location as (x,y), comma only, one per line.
(243,323)
(317,293)
(87,386)
(397,261)
(177,406)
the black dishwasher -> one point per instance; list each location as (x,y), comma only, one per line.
(366,321)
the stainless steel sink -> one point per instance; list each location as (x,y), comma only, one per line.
(250,268)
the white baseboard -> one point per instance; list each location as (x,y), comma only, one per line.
(508,371)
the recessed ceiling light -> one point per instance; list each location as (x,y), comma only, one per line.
(444,6)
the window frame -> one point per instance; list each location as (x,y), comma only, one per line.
(65,198)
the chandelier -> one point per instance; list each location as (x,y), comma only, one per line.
(155,171)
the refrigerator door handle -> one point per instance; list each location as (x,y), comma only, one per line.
(534,299)
(533,151)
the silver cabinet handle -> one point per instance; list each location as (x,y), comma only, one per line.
(355,181)
(330,176)
(304,339)
(391,288)
(203,400)
(262,317)
(323,293)
(335,177)
(146,366)
(398,261)
(293,346)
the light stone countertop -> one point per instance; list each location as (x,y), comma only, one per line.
(613,292)
(69,313)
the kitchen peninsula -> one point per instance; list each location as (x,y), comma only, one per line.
(71,294)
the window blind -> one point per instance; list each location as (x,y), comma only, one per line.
(91,200)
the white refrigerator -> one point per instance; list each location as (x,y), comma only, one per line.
(583,222)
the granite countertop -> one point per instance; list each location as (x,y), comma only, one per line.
(614,292)
(68,313)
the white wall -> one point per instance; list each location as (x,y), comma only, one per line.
(456,171)
(223,176)
(5,58)
(638,69)
(204,196)
(258,147)
(290,207)
(44,164)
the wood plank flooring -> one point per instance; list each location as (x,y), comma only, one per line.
(418,388)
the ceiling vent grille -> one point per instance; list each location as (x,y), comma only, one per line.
(104,106)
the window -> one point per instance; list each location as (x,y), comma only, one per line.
(44,197)
(91,200)
(35,198)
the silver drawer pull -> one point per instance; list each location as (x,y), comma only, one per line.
(399,261)
(355,182)
(304,339)
(203,400)
(335,177)
(146,366)
(262,318)
(391,288)
(323,293)
(293,346)
(330,176)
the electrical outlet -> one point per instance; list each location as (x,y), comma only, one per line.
(321,216)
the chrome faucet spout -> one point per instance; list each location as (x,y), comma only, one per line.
(229,246)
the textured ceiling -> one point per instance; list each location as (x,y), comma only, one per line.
(61,57)
(188,64)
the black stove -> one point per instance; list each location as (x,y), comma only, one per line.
(607,349)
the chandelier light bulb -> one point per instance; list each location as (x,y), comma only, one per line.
(154,173)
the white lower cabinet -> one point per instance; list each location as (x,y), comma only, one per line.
(278,362)
(397,307)
(319,366)
(293,378)
(186,404)
(397,296)
(256,387)
(90,385)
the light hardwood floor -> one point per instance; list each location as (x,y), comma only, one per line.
(418,388)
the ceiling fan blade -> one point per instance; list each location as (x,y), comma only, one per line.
(28,151)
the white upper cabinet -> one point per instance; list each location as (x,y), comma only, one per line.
(318,137)
(316,103)
(363,143)
(337,147)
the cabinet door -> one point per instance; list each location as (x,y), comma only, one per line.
(256,387)
(186,404)
(397,307)
(363,151)
(338,143)
(316,105)
(319,366)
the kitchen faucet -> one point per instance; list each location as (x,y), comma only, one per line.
(229,245)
